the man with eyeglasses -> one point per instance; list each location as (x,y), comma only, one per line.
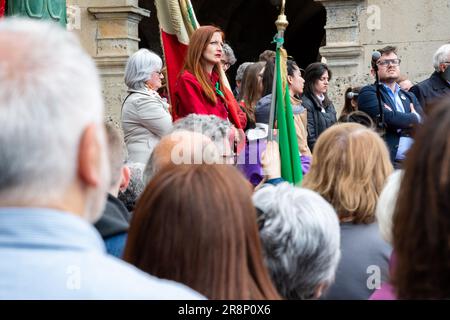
(437,86)
(401,109)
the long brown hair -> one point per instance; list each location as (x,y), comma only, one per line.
(194,62)
(196,224)
(251,88)
(421,222)
(349,168)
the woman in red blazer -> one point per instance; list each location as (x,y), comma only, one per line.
(201,86)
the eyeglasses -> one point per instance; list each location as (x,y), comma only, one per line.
(394,62)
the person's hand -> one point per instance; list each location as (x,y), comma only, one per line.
(270,161)
(411,105)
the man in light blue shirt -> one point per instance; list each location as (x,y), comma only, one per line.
(54,174)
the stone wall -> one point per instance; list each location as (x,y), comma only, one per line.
(108,30)
(357,27)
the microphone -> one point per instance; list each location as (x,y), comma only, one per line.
(352,95)
(376,55)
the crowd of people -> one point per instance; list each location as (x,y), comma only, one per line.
(186,199)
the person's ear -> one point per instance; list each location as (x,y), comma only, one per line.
(289,79)
(89,157)
(125,178)
(372,72)
(318,291)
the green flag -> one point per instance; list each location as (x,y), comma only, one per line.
(287,140)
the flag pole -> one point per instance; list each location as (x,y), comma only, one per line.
(281,24)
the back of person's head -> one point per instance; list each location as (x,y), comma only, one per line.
(251,88)
(218,130)
(349,168)
(300,235)
(386,205)
(139,68)
(241,69)
(50,107)
(196,224)
(268,56)
(181,147)
(136,185)
(267,80)
(117,152)
(358,117)
(421,219)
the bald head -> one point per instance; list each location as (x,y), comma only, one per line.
(181,147)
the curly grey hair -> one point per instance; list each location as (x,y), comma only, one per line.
(300,235)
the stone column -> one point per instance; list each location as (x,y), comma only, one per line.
(343,51)
(109,32)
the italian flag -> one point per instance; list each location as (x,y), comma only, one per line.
(2,8)
(177,22)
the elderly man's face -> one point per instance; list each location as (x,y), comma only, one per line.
(445,65)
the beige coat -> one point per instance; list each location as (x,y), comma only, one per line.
(145,119)
(300,122)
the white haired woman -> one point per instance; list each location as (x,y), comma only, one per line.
(145,115)
(300,234)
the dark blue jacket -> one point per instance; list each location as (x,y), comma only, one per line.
(394,120)
(431,91)
(113,226)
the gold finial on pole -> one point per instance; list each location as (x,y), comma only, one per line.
(282,22)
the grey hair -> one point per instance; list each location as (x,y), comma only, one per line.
(241,70)
(211,126)
(140,67)
(387,203)
(50,92)
(131,195)
(300,235)
(441,55)
(229,53)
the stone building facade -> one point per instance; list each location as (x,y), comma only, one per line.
(355,28)
(108,29)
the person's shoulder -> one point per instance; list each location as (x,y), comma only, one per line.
(264,102)
(367,88)
(187,76)
(124,281)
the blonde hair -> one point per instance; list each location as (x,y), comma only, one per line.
(349,168)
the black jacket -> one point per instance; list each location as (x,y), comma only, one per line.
(318,121)
(431,91)
(115,218)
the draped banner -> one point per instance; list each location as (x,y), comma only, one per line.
(2,8)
